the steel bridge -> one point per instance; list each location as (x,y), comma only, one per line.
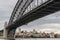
(26,11)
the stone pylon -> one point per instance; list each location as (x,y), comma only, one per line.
(5,30)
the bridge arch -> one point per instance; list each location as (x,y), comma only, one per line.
(24,12)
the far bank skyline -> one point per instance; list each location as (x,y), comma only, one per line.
(48,23)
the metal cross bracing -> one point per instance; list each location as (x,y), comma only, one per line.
(20,4)
(24,6)
(46,8)
(27,11)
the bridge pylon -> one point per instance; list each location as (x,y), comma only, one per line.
(5,31)
(7,34)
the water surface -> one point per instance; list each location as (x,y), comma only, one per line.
(35,39)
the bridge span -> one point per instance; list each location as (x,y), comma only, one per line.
(26,11)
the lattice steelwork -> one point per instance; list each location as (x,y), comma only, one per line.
(23,7)
(34,4)
(27,11)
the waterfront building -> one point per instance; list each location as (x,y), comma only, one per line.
(19,30)
(43,35)
(34,31)
(52,35)
(40,34)
(47,35)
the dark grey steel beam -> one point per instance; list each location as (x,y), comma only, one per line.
(33,15)
(20,19)
(14,11)
(25,6)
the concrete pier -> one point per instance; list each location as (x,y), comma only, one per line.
(5,31)
(7,36)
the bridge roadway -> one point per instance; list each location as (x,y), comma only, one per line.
(39,12)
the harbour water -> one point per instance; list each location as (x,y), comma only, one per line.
(35,39)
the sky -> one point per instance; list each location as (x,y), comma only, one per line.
(6,8)
(50,23)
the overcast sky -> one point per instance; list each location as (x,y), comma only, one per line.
(48,23)
(6,7)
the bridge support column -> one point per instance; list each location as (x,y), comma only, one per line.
(5,31)
(8,34)
(11,34)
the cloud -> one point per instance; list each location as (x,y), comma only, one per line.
(6,8)
(51,27)
(47,23)
(50,23)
